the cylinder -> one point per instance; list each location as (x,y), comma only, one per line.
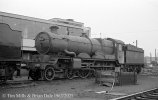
(46,43)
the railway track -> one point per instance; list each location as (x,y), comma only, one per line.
(17,84)
(145,95)
(24,83)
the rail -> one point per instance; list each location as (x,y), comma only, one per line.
(144,95)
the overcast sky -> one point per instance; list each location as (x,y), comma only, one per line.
(127,20)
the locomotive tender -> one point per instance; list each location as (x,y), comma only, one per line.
(66,53)
(10,51)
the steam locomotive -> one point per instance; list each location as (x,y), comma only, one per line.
(67,54)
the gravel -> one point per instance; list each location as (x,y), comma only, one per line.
(77,89)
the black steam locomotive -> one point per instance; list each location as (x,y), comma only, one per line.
(67,55)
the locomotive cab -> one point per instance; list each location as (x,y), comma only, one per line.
(120,54)
(119,51)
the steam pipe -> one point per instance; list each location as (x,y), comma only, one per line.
(70,53)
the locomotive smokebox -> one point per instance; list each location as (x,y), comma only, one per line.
(47,43)
(42,43)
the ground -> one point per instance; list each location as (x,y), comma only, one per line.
(77,89)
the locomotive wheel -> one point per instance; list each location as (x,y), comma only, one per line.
(69,74)
(34,74)
(49,73)
(83,73)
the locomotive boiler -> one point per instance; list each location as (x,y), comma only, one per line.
(49,43)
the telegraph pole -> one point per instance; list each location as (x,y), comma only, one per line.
(150,57)
(155,56)
(100,35)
